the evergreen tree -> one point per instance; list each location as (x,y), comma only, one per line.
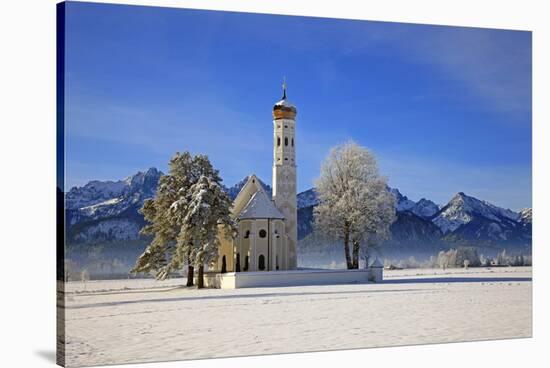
(207,211)
(167,216)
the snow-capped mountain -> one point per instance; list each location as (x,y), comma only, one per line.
(462,209)
(102,211)
(107,211)
(402,202)
(526,221)
(423,208)
(526,216)
(96,193)
(307,198)
(468,219)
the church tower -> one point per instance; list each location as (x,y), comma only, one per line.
(284,171)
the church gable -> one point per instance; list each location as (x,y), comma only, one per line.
(260,206)
(247,192)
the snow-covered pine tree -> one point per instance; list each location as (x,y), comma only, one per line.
(355,204)
(208,210)
(165,254)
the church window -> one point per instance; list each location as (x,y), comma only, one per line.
(292,142)
(247,234)
(286,141)
(261,262)
(246,262)
(278,141)
(263,233)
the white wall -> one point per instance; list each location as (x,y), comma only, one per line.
(291,278)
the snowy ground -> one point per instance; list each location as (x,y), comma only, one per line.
(126,321)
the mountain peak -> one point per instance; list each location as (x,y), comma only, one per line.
(462,209)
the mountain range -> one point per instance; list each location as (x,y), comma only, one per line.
(106,212)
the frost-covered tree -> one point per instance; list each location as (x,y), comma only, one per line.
(502,258)
(165,219)
(355,205)
(470,254)
(443,259)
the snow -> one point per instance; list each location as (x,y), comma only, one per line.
(260,206)
(461,208)
(526,215)
(93,193)
(128,321)
(284,102)
(403,203)
(92,209)
(307,198)
(425,208)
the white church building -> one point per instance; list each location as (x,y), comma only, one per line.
(264,251)
(267,227)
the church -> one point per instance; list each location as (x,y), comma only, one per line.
(267,226)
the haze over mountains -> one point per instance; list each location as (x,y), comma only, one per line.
(102,217)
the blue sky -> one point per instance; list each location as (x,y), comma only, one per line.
(444,109)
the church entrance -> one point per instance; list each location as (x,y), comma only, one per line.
(261,262)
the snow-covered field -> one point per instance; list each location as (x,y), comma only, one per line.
(126,321)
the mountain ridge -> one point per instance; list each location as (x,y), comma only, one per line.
(103,211)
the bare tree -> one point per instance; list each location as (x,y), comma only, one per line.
(355,203)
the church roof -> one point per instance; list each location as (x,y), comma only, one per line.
(284,109)
(260,206)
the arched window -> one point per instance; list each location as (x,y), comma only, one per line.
(292,142)
(278,141)
(286,141)
(261,262)
(247,234)
(262,233)
(246,261)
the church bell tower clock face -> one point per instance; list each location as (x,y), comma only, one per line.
(284,169)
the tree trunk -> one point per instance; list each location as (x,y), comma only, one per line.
(190,275)
(346,247)
(355,262)
(200,279)
(190,270)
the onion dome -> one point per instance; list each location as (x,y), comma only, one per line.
(284,109)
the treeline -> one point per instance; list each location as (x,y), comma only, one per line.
(463,257)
